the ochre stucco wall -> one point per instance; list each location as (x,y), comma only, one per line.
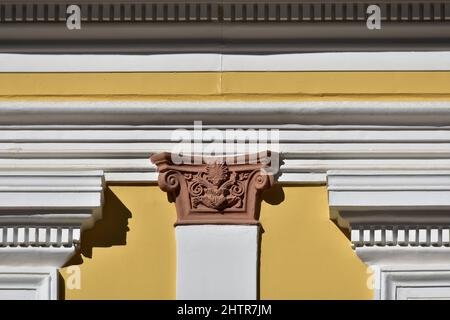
(132,248)
(303,254)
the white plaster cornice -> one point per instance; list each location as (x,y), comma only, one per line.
(42,215)
(258,113)
(118,138)
(399,223)
(392,209)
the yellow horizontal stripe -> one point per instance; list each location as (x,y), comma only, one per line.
(228,84)
(316,83)
(109,83)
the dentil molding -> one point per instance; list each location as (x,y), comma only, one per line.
(42,216)
(159,11)
(400,226)
(155,26)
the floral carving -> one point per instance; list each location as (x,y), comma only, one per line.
(216,188)
(213,191)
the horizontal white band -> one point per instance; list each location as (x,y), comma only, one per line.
(222,113)
(118,137)
(333,61)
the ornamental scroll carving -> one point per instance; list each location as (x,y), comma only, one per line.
(210,191)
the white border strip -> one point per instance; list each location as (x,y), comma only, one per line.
(335,61)
(341,61)
(176,113)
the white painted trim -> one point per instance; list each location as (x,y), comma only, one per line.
(371,202)
(201,62)
(69,197)
(399,225)
(173,114)
(109,62)
(407,284)
(340,61)
(118,137)
(378,190)
(19,283)
(217,262)
(42,215)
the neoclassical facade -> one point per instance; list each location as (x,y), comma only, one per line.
(224,150)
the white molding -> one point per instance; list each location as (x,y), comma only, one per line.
(42,214)
(28,283)
(187,62)
(410,284)
(173,114)
(399,225)
(340,61)
(392,208)
(388,190)
(204,62)
(118,137)
(64,197)
(389,198)
(414,257)
(217,262)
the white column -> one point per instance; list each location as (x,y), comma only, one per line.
(217,261)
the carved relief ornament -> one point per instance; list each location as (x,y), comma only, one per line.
(215,190)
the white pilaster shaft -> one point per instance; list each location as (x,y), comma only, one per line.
(217,261)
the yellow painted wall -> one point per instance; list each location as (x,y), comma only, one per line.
(303,254)
(138,263)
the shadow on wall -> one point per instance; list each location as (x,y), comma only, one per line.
(110,230)
(274,196)
(344,231)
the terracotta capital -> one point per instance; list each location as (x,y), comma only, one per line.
(215,190)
